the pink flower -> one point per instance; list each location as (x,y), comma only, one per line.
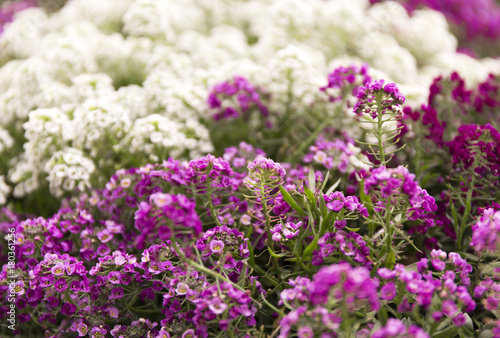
(216,246)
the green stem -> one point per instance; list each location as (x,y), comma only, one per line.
(210,203)
(270,242)
(468,207)
(380,134)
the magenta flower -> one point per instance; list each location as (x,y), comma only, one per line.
(161,200)
(388,291)
(217,306)
(188,334)
(112,311)
(116,293)
(181,288)
(104,236)
(305,332)
(114,277)
(68,309)
(61,285)
(449,308)
(459,319)
(216,246)
(98,332)
(82,329)
(58,269)
(377,93)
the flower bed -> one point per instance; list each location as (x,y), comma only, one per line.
(234,169)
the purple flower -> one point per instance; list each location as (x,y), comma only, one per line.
(376,93)
(460,320)
(104,236)
(161,200)
(449,308)
(217,306)
(61,285)
(58,269)
(82,329)
(305,332)
(388,291)
(216,246)
(98,332)
(68,309)
(116,293)
(188,334)
(114,277)
(181,288)
(112,311)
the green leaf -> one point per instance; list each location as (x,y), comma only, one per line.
(353,229)
(390,261)
(322,206)
(454,213)
(324,181)
(326,222)
(364,198)
(446,333)
(333,187)
(310,248)
(291,202)
(312,180)
(274,254)
(251,258)
(468,207)
(309,194)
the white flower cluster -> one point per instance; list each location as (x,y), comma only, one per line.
(68,169)
(119,83)
(4,190)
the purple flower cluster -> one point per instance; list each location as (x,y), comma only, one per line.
(242,96)
(389,185)
(343,78)
(192,303)
(166,215)
(342,245)
(489,291)
(477,105)
(486,140)
(486,231)
(337,202)
(376,93)
(264,172)
(396,328)
(286,232)
(339,154)
(320,304)
(437,281)
(240,157)
(222,240)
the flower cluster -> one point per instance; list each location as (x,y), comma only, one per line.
(220,241)
(321,304)
(165,216)
(120,222)
(396,328)
(486,231)
(342,245)
(285,232)
(339,154)
(246,96)
(391,184)
(477,143)
(377,98)
(346,77)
